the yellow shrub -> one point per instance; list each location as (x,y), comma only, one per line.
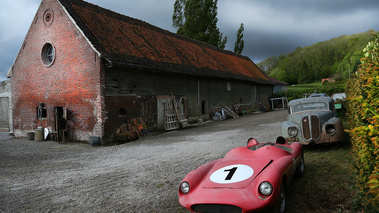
(363,117)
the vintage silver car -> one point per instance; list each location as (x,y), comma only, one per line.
(312,120)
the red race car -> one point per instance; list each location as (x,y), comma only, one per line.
(247,179)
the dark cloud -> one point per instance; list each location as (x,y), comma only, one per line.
(15,19)
(322,7)
(155,12)
(277,27)
(272,27)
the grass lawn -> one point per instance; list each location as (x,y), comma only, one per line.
(298,90)
(328,184)
(316,86)
(305,86)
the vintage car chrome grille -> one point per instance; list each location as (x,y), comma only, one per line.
(311,127)
(216,208)
(305,126)
(315,125)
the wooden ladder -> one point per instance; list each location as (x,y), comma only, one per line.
(230,112)
(174,112)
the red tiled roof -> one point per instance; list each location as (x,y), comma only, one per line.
(127,41)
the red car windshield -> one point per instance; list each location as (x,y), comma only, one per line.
(285,148)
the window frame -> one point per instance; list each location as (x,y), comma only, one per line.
(48,54)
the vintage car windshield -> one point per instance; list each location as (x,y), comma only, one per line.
(310,106)
(254,148)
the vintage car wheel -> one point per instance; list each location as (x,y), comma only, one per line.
(282,200)
(280,205)
(300,170)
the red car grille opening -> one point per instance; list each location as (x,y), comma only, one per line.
(216,208)
(311,127)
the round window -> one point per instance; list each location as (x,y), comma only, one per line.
(48,54)
(48,17)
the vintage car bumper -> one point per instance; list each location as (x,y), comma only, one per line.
(314,131)
(225,200)
(325,138)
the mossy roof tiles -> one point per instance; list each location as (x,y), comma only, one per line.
(126,41)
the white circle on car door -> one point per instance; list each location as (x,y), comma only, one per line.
(232,174)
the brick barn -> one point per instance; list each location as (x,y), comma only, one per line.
(96,68)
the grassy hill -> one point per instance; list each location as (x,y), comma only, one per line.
(338,57)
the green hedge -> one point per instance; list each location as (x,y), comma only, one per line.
(363,119)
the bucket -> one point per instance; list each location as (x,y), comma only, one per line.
(94,140)
(38,135)
(30,136)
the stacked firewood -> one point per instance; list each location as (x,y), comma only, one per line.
(132,130)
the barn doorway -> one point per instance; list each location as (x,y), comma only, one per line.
(4,114)
(203,108)
(60,116)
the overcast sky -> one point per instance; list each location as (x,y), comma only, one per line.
(272,27)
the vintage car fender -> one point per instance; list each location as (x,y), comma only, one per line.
(197,175)
(338,135)
(287,124)
(336,121)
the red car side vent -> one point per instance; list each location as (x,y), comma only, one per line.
(264,168)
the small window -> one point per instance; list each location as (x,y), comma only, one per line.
(41,112)
(48,17)
(228,86)
(122,113)
(48,54)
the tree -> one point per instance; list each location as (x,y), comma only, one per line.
(337,56)
(269,64)
(197,19)
(304,73)
(240,44)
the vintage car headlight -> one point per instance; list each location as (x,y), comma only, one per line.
(330,129)
(184,187)
(265,188)
(292,131)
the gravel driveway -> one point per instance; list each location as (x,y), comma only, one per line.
(140,176)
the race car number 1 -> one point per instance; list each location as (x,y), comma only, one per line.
(232,174)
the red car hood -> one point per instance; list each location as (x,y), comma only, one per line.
(234,173)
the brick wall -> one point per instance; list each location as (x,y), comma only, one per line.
(74,80)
